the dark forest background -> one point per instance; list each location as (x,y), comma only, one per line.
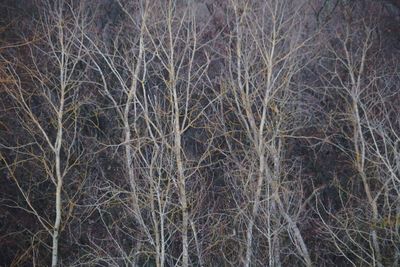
(199,133)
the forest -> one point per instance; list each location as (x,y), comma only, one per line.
(163,133)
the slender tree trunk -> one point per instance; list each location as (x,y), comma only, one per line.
(301,245)
(360,164)
(59,175)
(182,195)
(57,224)
(249,233)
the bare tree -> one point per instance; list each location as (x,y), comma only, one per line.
(55,76)
(155,116)
(365,112)
(262,67)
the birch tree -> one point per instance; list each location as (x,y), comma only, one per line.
(262,66)
(47,110)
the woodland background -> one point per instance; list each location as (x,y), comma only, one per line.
(199,133)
